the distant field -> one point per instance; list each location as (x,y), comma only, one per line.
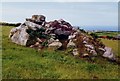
(107,33)
(19,62)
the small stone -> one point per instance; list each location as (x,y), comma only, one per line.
(75,52)
(85,55)
(37,44)
(31,46)
(39,49)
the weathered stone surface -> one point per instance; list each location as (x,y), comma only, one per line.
(75,52)
(108,53)
(55,44)
(19,36)
(71,44)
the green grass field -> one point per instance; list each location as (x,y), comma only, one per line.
(19,62)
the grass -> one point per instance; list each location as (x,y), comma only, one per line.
(19,62)
(114,44)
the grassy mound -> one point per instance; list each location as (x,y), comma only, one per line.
(19,62)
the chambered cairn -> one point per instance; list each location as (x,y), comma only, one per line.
(36,33)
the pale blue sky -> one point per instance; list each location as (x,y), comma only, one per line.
(59,0)
(77,13)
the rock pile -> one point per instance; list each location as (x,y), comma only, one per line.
(36,33)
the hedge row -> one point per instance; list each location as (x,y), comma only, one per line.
(9,24)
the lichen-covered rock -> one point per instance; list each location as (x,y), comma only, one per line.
(19,35)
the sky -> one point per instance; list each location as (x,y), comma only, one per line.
(77,13)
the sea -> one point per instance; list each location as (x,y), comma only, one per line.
(100,28)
